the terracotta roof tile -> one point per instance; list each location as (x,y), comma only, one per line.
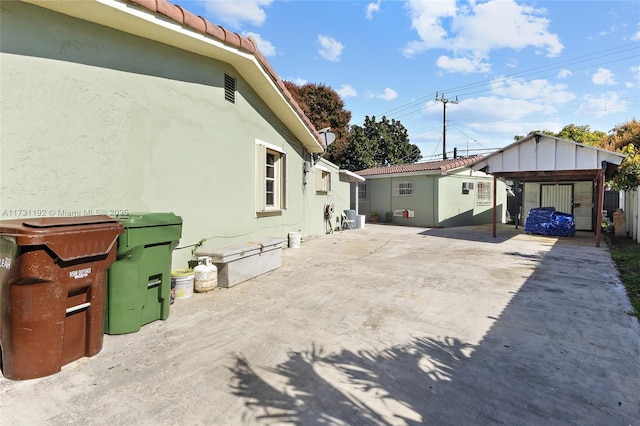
(202,25)
(213,30)
(193,21)
(170,11)
(441,165)
(248,44)
(231,38)
(148,4)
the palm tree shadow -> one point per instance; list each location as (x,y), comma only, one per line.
(364,387)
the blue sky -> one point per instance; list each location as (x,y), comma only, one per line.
(514,66)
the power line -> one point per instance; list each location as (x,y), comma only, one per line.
(416,105)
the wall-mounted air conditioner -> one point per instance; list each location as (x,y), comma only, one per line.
(467,186)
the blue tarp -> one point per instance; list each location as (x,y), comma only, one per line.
(547,221)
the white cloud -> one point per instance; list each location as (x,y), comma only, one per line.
(496,116)
(372,8)
(346,91)
(564,73)
(497,109)
(477,28)
(264,46)
(602,105)
(520,26)
(236,13)
(463,65)
(539,90)
(603,77)
(299,81)
(330,48)
(611,30)
(426,19)
(388,95)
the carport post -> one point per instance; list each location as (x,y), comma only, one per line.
(495,192)
(600,206)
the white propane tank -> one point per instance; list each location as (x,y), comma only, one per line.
(206,275)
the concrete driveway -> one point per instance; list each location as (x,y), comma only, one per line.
(384,325)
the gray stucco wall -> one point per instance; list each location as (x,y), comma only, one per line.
(98,121)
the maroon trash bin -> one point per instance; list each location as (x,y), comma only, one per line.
(53,291)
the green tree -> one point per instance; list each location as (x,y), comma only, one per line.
(324,108)
(581,134)
(378,143)
(625,138)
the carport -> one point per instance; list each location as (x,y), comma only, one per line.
(543,158)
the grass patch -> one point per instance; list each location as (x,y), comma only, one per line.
(626,254)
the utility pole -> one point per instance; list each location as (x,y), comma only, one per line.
(444,122)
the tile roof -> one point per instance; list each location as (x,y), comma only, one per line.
(440,165)
(247,44)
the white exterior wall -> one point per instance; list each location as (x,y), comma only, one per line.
(530,199)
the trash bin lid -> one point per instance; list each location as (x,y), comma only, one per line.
(48,222)
(48,225)
(143,220)
(69,238)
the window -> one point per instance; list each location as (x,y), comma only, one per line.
(483,194)
(403,188)
(362,191)
(229,89)
(270,178)
(323,180)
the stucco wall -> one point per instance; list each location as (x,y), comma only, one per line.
(98,121)
(458,208)
(315,201)
(437,200)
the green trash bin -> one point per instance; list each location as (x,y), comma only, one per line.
(139,281)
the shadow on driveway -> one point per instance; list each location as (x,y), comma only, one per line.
(563,351)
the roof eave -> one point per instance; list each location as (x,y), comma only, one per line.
(409,173)
(353,177)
